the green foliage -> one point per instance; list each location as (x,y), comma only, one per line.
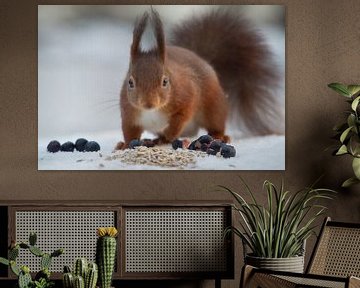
(348,133)
(279,229)
(4,261)
(43,283)
(42,278)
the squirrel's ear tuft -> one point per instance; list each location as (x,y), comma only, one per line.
(159,33)
(139,29)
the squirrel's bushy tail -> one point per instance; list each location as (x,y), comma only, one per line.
(243,64)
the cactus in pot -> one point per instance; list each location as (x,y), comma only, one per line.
(68,278)
(91,276)
(106,254)
(85,275)
(42,278)
(80,267)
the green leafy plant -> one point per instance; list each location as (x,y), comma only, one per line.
(43,283)
(279,229)
(42,278)
(348,132)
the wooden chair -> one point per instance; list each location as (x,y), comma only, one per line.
(335,262)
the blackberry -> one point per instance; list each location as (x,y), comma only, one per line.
(211,151)
(228,151)
(80,144)
(134,143)
(92,146)
(54,146)
(204,147)
(216,145)
(67,147)
(195,145)
(205,139)
(177,144)
(147,143)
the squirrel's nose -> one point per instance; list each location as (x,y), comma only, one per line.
(149,105)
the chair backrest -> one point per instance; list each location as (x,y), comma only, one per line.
(337,251)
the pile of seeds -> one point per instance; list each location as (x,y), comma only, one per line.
(163,157)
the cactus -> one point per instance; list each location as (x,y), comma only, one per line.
(44,273)
(45,261)
(24,245)
(80,267)
(57,253)
(90,272)
(36,251)
(32,238)
(67,269)
(79,282)
(42,278)
(14,268)
(105,254)
(91,276)
(68,280)
(24,280)
(13,253)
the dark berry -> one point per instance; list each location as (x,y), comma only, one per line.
(205,139)
(177,144)
(92,146)
(216,145)
(80,144)
(53,146)
(67,147)
(147,143)
(204,147)
(227,151)
(134,143)
(211,151)
(195,145)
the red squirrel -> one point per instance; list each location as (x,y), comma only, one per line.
(212,63)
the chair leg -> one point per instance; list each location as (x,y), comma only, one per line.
(217,283)
(354,282)
(246,273)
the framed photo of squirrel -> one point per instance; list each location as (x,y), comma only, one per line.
(162,87)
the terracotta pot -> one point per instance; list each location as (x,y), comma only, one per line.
(291,264)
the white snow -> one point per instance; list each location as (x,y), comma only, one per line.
(255,153)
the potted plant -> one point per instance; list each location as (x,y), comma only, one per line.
(276,233)
(348,132)
(42,278)
(84,274)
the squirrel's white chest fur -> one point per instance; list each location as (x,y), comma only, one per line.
(153,120)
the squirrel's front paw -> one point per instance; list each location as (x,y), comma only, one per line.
(161,140)
(121,146)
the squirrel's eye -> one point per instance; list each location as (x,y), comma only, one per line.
(131,83)
(165,82)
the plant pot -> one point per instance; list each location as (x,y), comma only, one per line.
(291,264)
